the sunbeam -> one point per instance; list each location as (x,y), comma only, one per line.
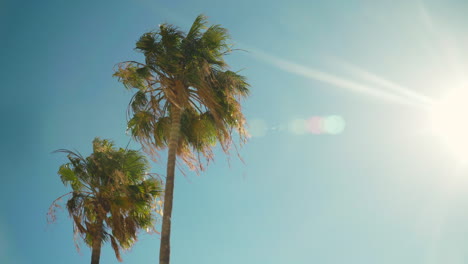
(443,45)
(337,81)
(384,83)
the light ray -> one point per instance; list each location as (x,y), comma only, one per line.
(443,44)
(384,83)
(335,80)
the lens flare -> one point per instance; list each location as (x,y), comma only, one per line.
(318,125)
(297,126)
(315,125)
(334,125)
(257,128)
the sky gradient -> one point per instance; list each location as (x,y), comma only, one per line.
(384,190)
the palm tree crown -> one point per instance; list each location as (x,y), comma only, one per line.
(185,72)
(112,195)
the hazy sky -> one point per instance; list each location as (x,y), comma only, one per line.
(381,189)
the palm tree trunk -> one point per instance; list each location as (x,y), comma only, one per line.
(165,249)
(96,253)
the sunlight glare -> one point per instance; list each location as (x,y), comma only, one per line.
(449,122)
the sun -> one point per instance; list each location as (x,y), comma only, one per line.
(449,122)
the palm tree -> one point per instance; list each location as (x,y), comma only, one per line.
(186,100)
(112,196)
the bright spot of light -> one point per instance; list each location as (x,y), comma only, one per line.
(297,126)
(449,122)
(257,128)
(334,124)
(315,125)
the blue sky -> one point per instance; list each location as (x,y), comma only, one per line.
(385,190)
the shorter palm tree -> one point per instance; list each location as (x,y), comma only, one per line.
(112,196)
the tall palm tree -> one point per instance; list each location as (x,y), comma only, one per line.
(112,196)
(186,100)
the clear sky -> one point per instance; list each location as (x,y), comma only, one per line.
(383,190)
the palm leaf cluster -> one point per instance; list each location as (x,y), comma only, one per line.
(185,72)
(112,195)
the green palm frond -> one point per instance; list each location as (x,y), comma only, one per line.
(68,177)
(198,25)
(141,124)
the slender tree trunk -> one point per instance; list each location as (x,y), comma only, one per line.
(96,253)
(165,249)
